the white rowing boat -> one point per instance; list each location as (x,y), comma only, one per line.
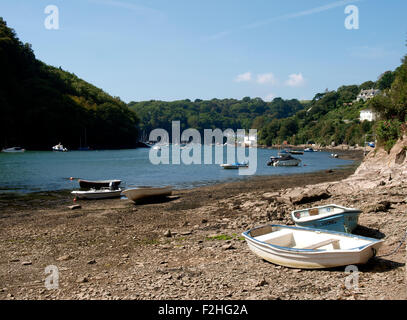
(135,194)
(104,193)
(307,248)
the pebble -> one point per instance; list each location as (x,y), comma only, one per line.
(262,283)
(82,280)
(65,257)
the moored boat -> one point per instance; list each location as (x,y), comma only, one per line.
(104,193)
(307,248)
(297,152)
(59,147)
(98,184)
(13,149)
(284,161)
(236,165)
(135,194)
(309,150)
(329,217)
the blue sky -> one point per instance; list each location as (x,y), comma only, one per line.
(170,50)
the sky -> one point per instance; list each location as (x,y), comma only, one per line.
(203,49)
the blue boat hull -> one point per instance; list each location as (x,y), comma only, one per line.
(342,222)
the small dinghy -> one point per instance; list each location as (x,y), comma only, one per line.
(328,217)
(236,165)
(135,194)
(307,248)
(104,193)
(87,184)
(13,149)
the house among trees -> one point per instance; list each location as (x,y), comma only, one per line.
(367,114)
(367,94)
(250,141)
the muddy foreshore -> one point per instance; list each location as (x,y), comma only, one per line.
(186,247)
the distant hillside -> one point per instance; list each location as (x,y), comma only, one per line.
(41,105)
(210,114)
(331,116)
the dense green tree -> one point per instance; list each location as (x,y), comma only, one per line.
(42,105)
(385,81)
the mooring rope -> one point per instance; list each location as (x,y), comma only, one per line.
(397,248)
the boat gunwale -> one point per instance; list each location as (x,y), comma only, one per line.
(373,241)
(352,211)
(98,191)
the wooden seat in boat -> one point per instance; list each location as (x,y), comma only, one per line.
(334,242)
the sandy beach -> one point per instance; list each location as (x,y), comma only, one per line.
(189,246)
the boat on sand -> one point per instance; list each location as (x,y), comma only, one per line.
(135,194)
(307,248)
(329,217)
(104,193)
(98,184)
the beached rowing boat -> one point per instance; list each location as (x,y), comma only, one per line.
(104,193)
(135,194)
(307,248)
(98,184)
(329,217)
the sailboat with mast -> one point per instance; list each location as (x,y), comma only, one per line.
(86,147)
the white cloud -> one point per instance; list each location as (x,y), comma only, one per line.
(269,97)
(266,78)
(295,80)
(244,77)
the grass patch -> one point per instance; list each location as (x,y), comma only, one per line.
(222,237)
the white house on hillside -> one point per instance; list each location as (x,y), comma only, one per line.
(367,114)
(367,94)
